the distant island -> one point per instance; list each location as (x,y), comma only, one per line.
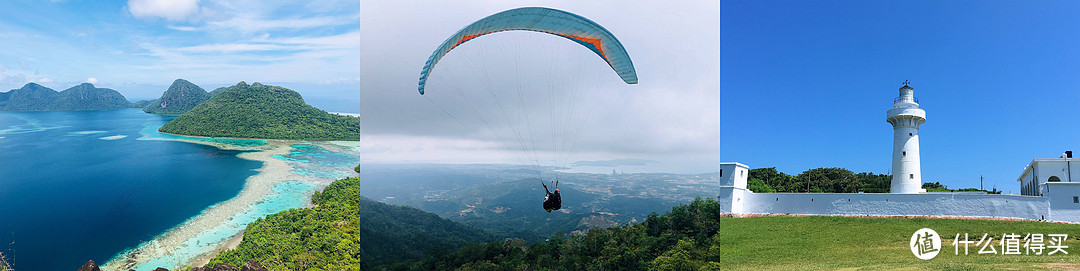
(142,103)
(262,111)
(34,97)
(181,96)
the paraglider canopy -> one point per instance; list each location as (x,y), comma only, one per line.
(530,91)
(545,20)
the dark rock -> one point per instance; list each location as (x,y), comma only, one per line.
(252,265)
(200,268)
(89,266)
(224,267)
(161,269)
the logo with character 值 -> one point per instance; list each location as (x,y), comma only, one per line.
(925,244)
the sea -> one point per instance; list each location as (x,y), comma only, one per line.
(80,185)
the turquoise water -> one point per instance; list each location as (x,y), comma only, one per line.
(150,131)
(286,195)
(78,186)
(313,161)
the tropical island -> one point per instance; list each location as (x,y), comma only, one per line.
(35,97)
(264,112)
(181,97)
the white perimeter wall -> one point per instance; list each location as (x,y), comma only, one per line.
(1060,196)
(1009,206)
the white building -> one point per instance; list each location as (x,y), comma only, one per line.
(1041,171)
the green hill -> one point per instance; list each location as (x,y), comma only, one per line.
(34,97)
(261,111)
(31,97)
(87,97)
(179,98)
(346,231)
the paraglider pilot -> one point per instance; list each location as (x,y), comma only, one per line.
(552,201)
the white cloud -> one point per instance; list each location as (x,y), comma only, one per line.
(341,80)
(91,80)
(234,47)
(183,28)
(172,10)
(250,24)
(422,149)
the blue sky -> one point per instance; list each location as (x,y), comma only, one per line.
(805,84)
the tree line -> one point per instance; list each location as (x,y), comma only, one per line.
(832,180)
(818,180)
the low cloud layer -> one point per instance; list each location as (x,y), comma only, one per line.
(613,163)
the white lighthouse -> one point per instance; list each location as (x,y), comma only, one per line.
(905,117)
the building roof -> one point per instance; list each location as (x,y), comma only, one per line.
(737,164)
(1036,161)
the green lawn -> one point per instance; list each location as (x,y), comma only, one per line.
(866,243)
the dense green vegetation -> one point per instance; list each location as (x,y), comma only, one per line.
(181,97)
(346,231)
(261,111)
(34,97)
(216,91)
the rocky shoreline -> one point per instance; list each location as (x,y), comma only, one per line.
(249,266)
